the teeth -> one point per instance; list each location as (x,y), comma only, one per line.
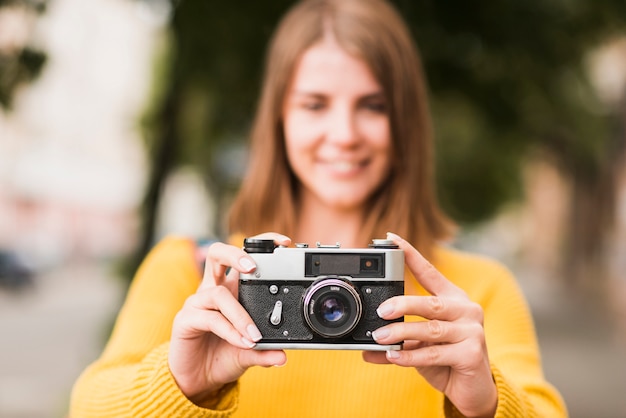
(343,165)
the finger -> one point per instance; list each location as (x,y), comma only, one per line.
(375,357)
(427,356)
(431,307)
(425,273)
(232,276)
(263,358)
(220,257)
(214,322)
(380,357)
(220,299)
(426,331)
(464,355)
(279,239)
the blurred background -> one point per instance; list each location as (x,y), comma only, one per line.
(122,121)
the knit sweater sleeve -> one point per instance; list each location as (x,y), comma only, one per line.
(517,402)
(132,377)
(513,348)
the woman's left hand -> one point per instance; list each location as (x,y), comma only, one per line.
(448,348)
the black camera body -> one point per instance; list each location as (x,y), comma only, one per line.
(320,298)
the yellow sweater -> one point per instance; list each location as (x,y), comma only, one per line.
(132,379)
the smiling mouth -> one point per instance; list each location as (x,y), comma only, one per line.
(345,167)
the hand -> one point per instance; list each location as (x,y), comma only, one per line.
(448,348)
(212,334)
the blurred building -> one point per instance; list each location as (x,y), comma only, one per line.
(72,163)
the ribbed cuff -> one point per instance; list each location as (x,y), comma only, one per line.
(450,410)
(510,403)
(510,400)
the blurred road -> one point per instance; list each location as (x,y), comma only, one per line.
(49,334)
(584,351)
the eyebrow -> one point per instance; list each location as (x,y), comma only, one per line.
(375,95)
(307,93)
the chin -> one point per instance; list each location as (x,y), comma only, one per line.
(344,203)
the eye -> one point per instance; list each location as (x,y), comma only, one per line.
(375,105)
(313,105)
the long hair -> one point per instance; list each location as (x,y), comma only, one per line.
(373,31)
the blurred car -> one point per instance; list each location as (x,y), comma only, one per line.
(14,272)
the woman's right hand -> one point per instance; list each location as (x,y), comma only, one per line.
(213,335)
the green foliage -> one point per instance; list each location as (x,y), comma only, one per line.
(507,77)
(219,49)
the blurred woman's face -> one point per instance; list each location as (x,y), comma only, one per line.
(336,128)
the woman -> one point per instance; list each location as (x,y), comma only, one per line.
(341,151)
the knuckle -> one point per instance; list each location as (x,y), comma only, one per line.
(476,312)
(214,249)
(182,320)
(432,353)
(436,304)
(477,331)
(473,351)
(435,329)
(179,318)
(191,302)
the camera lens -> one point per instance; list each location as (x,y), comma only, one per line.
(332,307)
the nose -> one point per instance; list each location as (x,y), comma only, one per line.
(342,126)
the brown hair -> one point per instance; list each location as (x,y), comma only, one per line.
(373,31)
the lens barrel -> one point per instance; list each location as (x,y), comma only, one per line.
(332,307)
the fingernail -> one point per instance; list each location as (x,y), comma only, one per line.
(254,332)
(384,310)
(247,342)
(393,354)
(246,263)
(392,236)
(380,334)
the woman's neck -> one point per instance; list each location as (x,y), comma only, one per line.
(320,223)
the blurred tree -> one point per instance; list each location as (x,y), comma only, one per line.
(19,61)
(505,78)
(209,92)
(510,78)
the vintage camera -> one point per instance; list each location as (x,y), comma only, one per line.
(320,298)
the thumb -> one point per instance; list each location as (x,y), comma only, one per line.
(249,358)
